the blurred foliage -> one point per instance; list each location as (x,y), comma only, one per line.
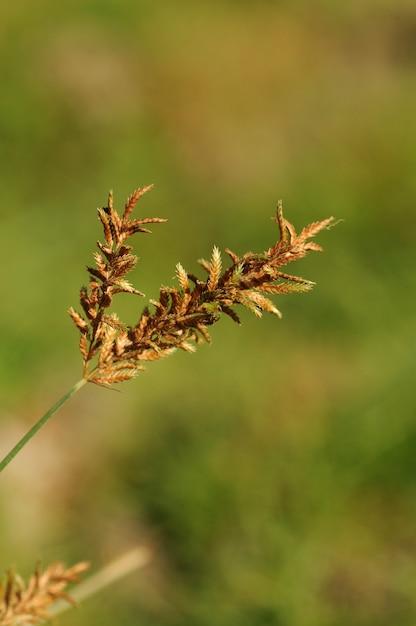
(273,473)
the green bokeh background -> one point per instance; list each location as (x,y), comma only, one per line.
(272,474)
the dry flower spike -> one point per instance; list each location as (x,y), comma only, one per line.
(28,603)
(113,352)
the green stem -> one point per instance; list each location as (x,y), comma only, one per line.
(32,431)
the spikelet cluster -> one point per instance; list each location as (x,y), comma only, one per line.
(113,352)
(27,603)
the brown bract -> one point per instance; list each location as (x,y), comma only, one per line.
(27,603)
(113,352)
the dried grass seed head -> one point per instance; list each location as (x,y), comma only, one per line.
(113,352)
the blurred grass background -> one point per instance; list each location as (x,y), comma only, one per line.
(273,474)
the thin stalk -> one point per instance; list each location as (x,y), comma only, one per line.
(135,559)
(32,431)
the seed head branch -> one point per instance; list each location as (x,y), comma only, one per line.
(113,351)
(28,603)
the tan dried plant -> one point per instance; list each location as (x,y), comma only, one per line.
(113,352)
(28,603)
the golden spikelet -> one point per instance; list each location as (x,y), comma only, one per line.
(182,277)
(215,267)
(132,200)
